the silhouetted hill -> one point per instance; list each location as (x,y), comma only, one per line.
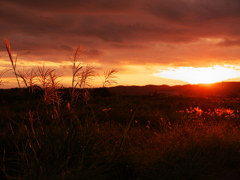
(217,89)
(143,90)
(229,89)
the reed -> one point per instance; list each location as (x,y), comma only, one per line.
(81,78)
(28,78)
(76,67)
(109,77)
(13,62)
(49,82)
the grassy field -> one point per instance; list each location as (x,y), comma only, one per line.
(119,137)
(50,132)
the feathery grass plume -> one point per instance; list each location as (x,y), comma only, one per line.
(43,76)
(13,62)
(49,82)
(109,76)
(76,67)
(85,76)
(28,78)
(81,75)
(83,79)
(54,86)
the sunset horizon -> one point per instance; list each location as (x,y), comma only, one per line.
(148,42)
(169,76)
(120,89)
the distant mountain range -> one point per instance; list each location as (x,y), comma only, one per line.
(227,89)
(216,89)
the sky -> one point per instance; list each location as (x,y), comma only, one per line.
(147,41)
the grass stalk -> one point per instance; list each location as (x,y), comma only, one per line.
(13,62)
(28,78)
(76,67)
(81,75)
(109,76)
(127,129)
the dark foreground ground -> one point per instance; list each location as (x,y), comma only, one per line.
(119,137)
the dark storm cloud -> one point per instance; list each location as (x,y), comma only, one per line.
(76,6)
(119,27)
(200,18)
(193,11)
(178,20)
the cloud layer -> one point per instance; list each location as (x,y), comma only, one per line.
(117,33)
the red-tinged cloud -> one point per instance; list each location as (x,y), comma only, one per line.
(114,32)
(229,43)
(78,6)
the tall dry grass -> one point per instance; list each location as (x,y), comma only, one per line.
(81,77)
(109,77)
(13,61)
(28,78)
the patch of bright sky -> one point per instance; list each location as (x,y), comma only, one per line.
(213,40)
(200,75)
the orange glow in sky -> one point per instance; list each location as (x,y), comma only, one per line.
(200,75)
(172,42)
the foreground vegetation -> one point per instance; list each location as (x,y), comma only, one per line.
(120,138)
(49,132)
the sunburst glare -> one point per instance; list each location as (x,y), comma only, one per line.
(205,75)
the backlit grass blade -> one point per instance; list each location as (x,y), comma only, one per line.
(13,62)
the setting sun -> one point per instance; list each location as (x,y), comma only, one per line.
(205,75)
